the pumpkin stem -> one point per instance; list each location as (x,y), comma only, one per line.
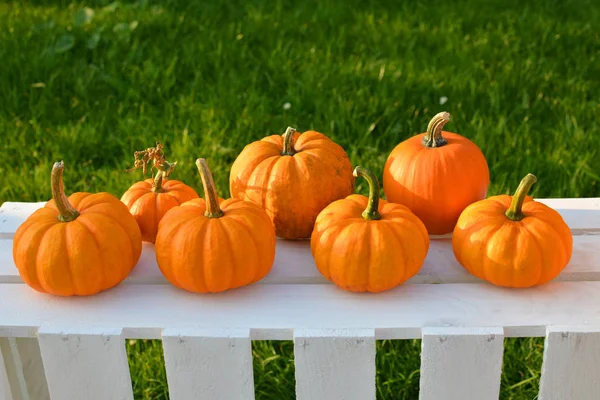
(515,212)
(164,170)
(433,138)
(210,192)
(288,142)
(371,212)
(66,212)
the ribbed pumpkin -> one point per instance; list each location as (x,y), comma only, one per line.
(150,199)
(366,244)
(512,241)
(214,245)
(292,177)
(79,245)
(436,174)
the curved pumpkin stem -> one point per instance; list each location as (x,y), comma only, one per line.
(66,212)
(164,170)
(288,142)
(210,192)
(433,138)
(515,211)
(372,210)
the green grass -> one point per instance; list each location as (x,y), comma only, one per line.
(522,80)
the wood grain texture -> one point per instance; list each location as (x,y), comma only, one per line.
(335,364)
(461,363)
(208,364)
(86,364)
(274,311)
(571,366)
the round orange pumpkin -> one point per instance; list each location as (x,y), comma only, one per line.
(436,174)
(512,241)
(366,244)
(292,177)
(79,245)
(150,199)
(214,245)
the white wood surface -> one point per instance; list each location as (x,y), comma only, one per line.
(274,311)
(5,389)
(13,369)
(571,366)
(86,364)
(335,364)
(24,368)
(461,363)
(580,214)
(294,264)
(208,364)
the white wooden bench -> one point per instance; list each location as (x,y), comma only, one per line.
(74,348)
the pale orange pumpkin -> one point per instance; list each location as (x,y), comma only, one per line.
(150,199)
(512,241)
(79,245)
(367,244)
(214,245)
(292,177)
(436,174)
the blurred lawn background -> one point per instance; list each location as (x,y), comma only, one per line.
(91,82)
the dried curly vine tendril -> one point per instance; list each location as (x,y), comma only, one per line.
(155,155)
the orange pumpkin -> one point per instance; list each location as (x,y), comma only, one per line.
(214,245)
(292,177)
(436,174)
(512,241)
(366,244)
(78,245)
(150,199)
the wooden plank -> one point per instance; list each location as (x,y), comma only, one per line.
(581,214)
(571,366)
(27,369)
(208,364)
(335,364)
(5,386)
(274,311)
(16,384)
(86,364)
(294,264)
(452,357)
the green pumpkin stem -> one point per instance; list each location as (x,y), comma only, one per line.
(66,212)
(164,170)
(515,211)
(288,142)
(372,210)
(210,191)
(433,138)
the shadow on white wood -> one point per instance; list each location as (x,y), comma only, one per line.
(5,391)
(208,364)
(335,364)
(461,363)
(571,365)
(85,364)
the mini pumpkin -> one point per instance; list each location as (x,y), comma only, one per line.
(79,245)
(214,245)
(512,241)
(436,174)
(292,177)
(150,199)
(367,244)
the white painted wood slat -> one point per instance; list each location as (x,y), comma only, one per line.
(5,386)
(86,364)
(581,214)
(208,364)
(571,365)
(294,264)
(274,311)
(461,363)
(335,364)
